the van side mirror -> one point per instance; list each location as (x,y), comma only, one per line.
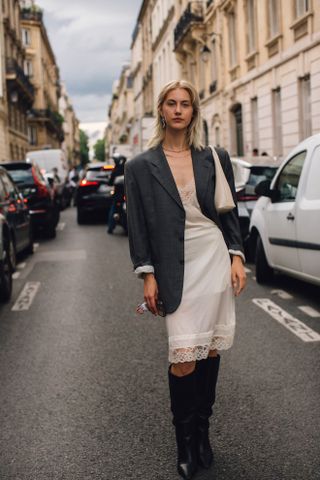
(263,189)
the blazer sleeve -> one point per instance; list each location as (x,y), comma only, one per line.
(230,220)
(137,227)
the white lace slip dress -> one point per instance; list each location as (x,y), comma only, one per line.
(205,318)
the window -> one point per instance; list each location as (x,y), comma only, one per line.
(28,68)
(217,136)
(277,122)
(26,36)
(305,107)
(273,16)
(232,39)
(32,135)
(251,26)
(288,181)
(214,62)
(301,7)
(254,123)
(8,186)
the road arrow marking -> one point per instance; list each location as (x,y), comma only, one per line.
(310,311)
(21,265)
(247,270)
(288,321)
(60,226)
(26,297)
(281,294)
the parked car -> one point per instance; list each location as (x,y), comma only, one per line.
(5,264)
(38,196)
(53,162)
(16,213)
(94,194)
(247,174)
(285,224)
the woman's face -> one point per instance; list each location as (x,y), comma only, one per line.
(177,109)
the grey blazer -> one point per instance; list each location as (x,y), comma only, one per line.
(156,217)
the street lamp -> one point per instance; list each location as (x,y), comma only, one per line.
(205,53)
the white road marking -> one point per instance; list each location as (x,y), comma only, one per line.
(21,265)
(284,318)
(35,246)
(60,226)
(254,278)
(281,294)
(247,270)
(16,275)
(310,311)
(26,297)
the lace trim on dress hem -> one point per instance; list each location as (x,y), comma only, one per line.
(199,352)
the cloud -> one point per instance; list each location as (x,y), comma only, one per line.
(91,42)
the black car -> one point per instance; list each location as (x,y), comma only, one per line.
(94,194)
(38,196)
(248,173)
(17,216)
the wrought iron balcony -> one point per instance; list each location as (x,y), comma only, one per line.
(209,2)
(194,13)
(18,80)
(31,14)
(52,118)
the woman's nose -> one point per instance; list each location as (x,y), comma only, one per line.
(178,108)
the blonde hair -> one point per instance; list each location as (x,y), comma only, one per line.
(194,131)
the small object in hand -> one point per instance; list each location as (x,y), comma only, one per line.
(143,307)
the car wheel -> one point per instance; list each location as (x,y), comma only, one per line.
(264,272)
(81,217)
(5,274)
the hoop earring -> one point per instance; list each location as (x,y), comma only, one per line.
(163,123)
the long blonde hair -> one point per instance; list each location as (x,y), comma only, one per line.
(194,131)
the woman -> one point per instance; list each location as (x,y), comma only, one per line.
(190,258)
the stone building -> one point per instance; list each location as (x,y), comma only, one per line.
(18,92)
(71,130)
(44,120)
(4,141)
(256,65)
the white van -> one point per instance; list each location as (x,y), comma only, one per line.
(285,223)
(49,159)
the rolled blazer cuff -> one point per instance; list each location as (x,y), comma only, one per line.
(238,252)
(144,269)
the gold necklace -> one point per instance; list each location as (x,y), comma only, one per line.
(176,151)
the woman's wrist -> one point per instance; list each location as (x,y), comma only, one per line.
(237,258)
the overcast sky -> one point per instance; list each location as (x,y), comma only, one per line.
(91,41)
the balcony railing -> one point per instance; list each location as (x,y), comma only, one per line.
(31,14)
(54,119)
(209,2)
(194,13)
(16,74)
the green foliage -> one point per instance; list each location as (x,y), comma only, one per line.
(84,148)
(99,150)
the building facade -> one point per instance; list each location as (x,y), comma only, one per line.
(4,140)
(71,130)
(44,120)
(255,63)
(19,92)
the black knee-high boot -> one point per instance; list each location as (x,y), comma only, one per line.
(206,380)
(183,407)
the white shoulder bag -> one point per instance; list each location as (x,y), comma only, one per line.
(223,198)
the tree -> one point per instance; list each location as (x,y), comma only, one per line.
(84,148)
(99,150)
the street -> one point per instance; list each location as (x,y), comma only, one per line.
(83,379)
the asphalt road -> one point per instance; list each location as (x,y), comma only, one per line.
(83,380)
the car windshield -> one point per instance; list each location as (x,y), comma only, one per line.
(22,176)
(100,174)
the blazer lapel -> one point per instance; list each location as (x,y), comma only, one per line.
(203,170)
(161,171)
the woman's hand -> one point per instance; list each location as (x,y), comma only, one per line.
(238,275)
(151,292)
